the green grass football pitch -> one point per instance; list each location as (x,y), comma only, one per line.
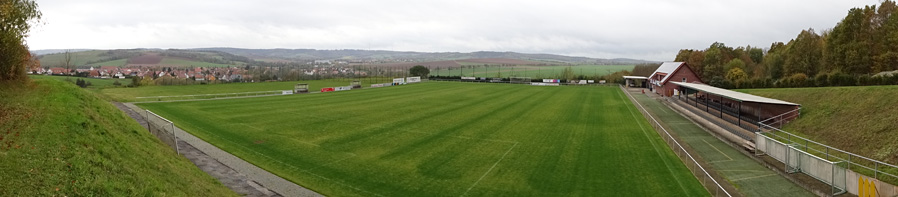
(446,139)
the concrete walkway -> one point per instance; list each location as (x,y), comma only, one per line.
(235,173)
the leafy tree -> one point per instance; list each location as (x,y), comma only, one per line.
(567,73)
(735,63)
(695,62)
(718,81)
(736,75)
(803,54)
(419,71)
(135,81)
(16,19)
(756,54)
(715,57)
(645,69)
(683,55)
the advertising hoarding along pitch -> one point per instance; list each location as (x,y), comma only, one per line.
(342,88)
(544,84)
(469,78)
(551,80)
(399,80)
(413,79)
(327,89)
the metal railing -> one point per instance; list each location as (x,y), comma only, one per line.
(796,160)
(207,96)
(873,168)
(694,167)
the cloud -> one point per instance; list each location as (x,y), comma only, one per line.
(652,29)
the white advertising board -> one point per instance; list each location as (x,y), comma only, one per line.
(286,92)
(544,84)
(590,81)
(469,78)
(582,81)
(413,79)
(551,80)
(399,80)
(342,88)
(377,85)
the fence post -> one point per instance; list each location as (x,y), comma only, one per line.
(146,115)
(849,162)
(175,135)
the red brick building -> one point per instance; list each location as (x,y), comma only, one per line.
(671,71)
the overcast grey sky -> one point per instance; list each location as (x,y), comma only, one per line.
(648,29)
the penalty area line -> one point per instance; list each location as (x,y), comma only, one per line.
(491,169)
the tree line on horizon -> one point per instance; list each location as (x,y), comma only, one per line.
(860,50)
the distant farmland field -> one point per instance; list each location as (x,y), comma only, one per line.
(168,61)
(458,63)
(529,71)
(446,139)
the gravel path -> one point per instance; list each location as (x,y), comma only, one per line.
(238,175)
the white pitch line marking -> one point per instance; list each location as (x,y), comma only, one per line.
(753,177)
(718,150)
(683,188)
(491,169)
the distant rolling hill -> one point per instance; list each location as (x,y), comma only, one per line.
(220,57)
(142,57)
(383,55)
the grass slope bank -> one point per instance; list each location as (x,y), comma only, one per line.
(60,140)
(856,119)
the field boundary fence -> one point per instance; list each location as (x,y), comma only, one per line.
(796,160)
(162,128)
(713,187)
(515,82)
(150,99)
(885,172)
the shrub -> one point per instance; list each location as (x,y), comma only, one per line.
(821,80)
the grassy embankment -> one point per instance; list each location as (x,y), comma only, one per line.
(446,139)
(856,119)
(95,83)
(59,140)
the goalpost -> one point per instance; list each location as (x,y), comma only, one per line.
(522,80)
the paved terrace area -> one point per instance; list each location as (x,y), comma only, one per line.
(750,177)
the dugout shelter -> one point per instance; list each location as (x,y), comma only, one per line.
(740,109)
